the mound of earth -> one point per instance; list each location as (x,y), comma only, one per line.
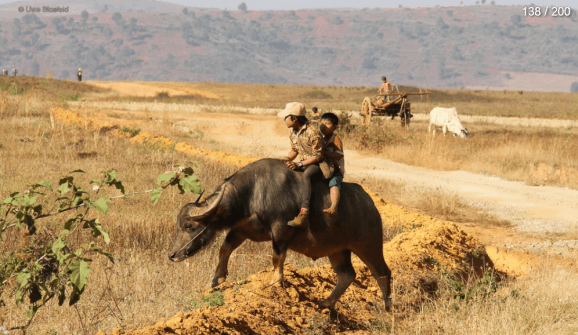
(418,257)
(252,306)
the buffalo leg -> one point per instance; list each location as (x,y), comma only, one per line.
(232,241)
(280,234)
(341,263)
(279,254)
(380,271)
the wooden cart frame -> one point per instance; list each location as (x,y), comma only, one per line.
(379,106)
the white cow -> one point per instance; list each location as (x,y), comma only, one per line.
(448,119)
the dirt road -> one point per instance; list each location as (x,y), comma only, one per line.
(541,211)
(535,210)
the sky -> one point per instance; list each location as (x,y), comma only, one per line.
(311,4)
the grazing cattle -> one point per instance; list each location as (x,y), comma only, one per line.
(448,119)
(256,202)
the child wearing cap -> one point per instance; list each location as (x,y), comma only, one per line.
(334,151)
(306,145)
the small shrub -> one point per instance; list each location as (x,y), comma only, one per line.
(13,88)
(377,138)
(214,299)
(162,95)
(72,96)
(131,131)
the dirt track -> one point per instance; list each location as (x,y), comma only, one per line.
(539,211)
(250,305)
(531,208)
(538,214)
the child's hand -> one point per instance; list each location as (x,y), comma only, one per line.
(291,165)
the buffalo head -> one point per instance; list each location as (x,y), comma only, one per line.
(458,130)
(194,231)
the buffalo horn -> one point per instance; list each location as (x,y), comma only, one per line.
(199,198)
(211,209)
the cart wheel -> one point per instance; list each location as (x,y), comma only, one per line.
(366,111)
(405,119)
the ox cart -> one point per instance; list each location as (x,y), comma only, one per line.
(378,105)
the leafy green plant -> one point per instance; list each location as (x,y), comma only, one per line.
(53,257)
(185,179)
(52,260)
(213,299)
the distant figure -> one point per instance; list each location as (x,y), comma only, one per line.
(14,71)
(79,74)
(384,88)
(315,118)
(5,72)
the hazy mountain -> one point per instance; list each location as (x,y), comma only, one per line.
(433,47)
(75,7)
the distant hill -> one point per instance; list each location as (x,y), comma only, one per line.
(75,7)
(481,46)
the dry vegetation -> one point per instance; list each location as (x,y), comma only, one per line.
(438,203)
(536,156)
(142,286)
(348,98)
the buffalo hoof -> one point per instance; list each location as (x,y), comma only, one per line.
(276,279)
(388,304)
(218,281)
(326,304)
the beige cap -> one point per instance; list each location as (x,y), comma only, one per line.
(292,108)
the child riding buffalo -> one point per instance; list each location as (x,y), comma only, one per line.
(307,146)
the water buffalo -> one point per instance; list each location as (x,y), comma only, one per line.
(256,202)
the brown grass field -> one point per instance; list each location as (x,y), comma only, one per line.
(142,287)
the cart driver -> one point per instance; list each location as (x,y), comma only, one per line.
(384,88)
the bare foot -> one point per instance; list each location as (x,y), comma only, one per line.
(331,211)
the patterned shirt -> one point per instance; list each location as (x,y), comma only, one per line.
(307,142)
(334,144)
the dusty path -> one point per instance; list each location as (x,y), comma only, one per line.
(529,208)
(542,211)
(171,107)
(533,210)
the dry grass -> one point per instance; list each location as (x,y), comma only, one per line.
(142,286)
(534,304)
(349,98)
(437,203)
(537,156)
